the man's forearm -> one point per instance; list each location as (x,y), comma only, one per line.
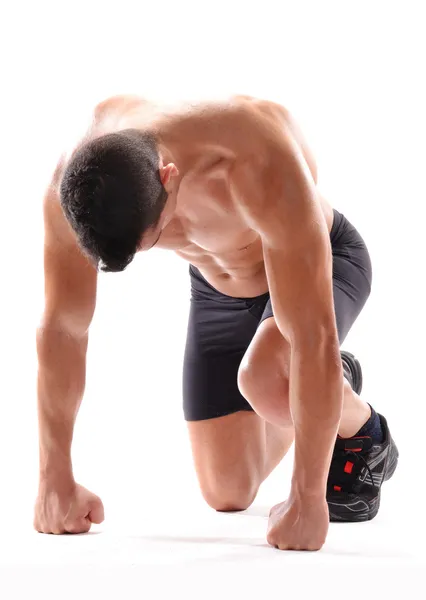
(316,401)
(61,381)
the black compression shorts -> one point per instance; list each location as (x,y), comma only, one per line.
(221,327)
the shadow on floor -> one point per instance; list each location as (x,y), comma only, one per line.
(234,541)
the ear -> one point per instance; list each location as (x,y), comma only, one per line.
(167,172)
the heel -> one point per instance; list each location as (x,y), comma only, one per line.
(354,366)
(392,461)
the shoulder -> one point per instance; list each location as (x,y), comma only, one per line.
(280,130)
(83,122)
(262,124)
(98,118)
(120,105)
(237,125)
(80,123)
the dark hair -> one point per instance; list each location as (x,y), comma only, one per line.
(111,193)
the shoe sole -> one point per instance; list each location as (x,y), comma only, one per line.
(363,508)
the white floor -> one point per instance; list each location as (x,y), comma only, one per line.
(167,543)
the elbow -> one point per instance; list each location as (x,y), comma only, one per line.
(320,341)
(52,337)
(65,324)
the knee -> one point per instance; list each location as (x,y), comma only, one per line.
(252,379)
(230,495)
(265,386)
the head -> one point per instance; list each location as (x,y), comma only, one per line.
(118,195)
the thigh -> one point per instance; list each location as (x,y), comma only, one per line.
(229,440)
(350,291)
(220,329)
(352,274)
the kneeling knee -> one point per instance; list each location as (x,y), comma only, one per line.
(230,497)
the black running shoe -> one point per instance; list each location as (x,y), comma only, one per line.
(357,471)
(352,370)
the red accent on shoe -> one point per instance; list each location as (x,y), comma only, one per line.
(349,467)
(337,488)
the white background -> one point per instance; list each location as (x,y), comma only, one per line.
(353,75)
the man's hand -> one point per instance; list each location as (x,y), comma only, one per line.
(298,524)
(66,508)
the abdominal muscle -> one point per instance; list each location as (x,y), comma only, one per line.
(237,270)
(239,273)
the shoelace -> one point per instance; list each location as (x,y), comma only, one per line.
(359,456)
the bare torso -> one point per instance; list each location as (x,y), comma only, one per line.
(207,229)
(208,232)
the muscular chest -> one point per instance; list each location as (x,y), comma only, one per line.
(207,216)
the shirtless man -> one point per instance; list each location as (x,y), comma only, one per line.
(278,277)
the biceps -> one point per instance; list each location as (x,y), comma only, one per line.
(70,291)
(70,281)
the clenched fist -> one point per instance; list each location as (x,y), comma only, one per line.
(66,508)
(298,524)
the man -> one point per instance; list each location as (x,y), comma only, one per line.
(278,278)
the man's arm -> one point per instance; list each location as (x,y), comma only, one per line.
(62,337)
(278,198)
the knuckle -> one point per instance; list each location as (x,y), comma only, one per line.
(77,528)
(58,528)
(314,547)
